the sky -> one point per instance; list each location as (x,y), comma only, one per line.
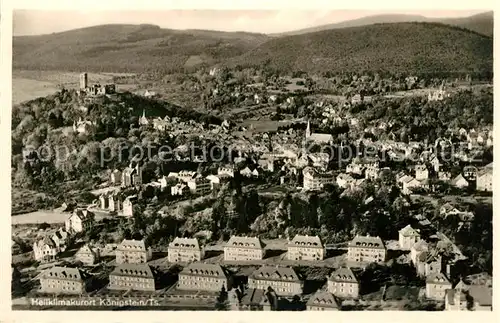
(35,22)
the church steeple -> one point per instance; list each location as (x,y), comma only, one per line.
(308,129)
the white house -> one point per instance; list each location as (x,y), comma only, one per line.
(79,221)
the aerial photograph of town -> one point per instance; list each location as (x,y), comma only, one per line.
(197,160)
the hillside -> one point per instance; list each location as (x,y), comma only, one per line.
(400,47)
(481,23)
(129,48)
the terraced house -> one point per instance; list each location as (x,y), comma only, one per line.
(305,248)
(243,249)
(132,252)
(184,250)
(283,280)
(343,283)
(366,249)
(205,277)
(132,277)
(62,280)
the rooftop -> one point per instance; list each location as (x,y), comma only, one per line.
(324,299)
(275,273)
(244,242)
(408,231)
(202,269)
(367,242)
(188,243)
(343,274)
(136,270)
(62,273)
(132,245)
(306,241)
(438,278)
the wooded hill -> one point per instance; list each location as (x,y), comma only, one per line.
(398,47)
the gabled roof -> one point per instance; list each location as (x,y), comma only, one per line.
(421,245)
(62,273)
(186,243)
(438,278)
(253,296)
(320,137)
(408,231)
(86,249)
(323,299)
(83,214)
(343,274)
(134,270)
(367,242)
(202,269)
(275,273)
(306,241)
(132,245)
(244,242)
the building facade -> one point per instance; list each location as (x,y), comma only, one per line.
(343,283)
(243,249)
(184,250)
(436,286)
(203,277)
(305,248)
(132,277)
(408,237)
(283,280)
(132,252)
(45,250)
(80,221)
(314,180)
(366,249)
(87,255)
(62,280)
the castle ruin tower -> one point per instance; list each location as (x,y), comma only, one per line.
(83,81)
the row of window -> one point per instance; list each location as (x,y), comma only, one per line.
(135,285)
(133,279)
(272,282)
(61,282)
(196,278)
(341,290)
(64,288)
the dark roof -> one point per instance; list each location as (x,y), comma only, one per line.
(253,296)
(135,270)
(275,273)
(323,299)
(62,273)
(202,269)
(343,274)
(367,242)
(244,242)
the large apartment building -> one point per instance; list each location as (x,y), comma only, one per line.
(305,248)
(132,277)
(343,283)
(243,249)
(366,249)
(283,280)
(206,277)
(184,250)
(132,252)
(62,280)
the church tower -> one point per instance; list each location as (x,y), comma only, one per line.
(308,130)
